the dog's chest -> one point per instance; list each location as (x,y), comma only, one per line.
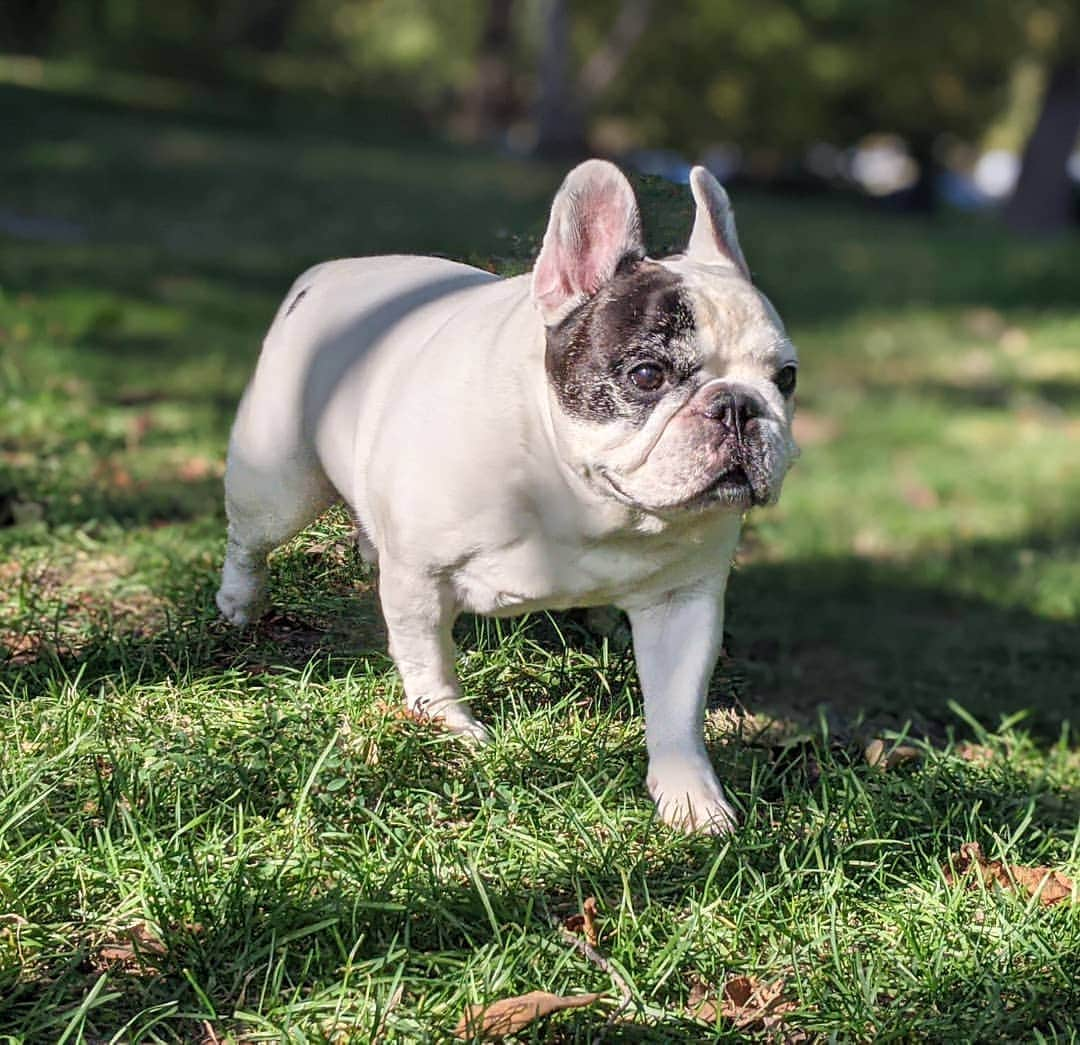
(542,574)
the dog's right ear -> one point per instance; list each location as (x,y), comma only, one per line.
(594,224)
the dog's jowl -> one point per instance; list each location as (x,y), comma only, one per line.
(589,434)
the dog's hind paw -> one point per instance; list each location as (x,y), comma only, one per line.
(238,608)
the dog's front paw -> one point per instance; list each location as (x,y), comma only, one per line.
(455,715)
(689,797)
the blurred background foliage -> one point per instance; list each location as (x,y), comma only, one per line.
(771,90)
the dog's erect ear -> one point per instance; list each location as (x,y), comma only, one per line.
(594,224)
(714,238)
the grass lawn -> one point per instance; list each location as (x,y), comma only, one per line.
(210,836)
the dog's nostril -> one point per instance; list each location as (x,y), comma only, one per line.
(733,408)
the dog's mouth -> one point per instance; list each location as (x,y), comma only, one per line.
(733,488)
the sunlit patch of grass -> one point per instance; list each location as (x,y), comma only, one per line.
(315,864)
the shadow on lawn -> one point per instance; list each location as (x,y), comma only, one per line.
(245,202)
(901,639)
(301,921)
(883,640)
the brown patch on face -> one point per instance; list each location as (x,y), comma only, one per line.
(642,315)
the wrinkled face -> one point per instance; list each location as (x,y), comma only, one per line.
(676,383)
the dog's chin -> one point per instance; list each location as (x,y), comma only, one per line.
(733,490)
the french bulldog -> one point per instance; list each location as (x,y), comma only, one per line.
(589,434)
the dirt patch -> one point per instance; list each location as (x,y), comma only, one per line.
(56,608)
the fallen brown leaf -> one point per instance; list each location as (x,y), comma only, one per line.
(194,469)
(585,923)
(508,1015)
(121,478)
(970,864)
(977,754)
(138,943)
(400,712)
(749,1005)
(880,756)
(21,649)
(137,429)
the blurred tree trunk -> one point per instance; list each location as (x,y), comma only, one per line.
(560,128)
(262,25)
(1042,202)
(922,197)
(564,103)
(27,25)
(490,102)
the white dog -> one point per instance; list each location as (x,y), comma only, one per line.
(586,435)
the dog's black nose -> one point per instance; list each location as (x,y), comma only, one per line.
(733,407)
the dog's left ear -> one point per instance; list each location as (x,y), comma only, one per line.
(714,238)
(594,224)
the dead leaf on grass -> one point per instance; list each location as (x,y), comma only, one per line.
(137,428)
(332,551)
(194,469)
(584,924)
(21,649)
(977,754)
(509,1015)
(749,1005)
(136,944)
(880,756)
(971,866)
(403,713)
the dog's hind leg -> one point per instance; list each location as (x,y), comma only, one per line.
(265,507)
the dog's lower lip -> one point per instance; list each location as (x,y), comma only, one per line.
(732,477)
(734,483)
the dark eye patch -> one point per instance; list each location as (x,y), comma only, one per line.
(643,317)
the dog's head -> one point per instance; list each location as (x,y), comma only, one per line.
(671,381)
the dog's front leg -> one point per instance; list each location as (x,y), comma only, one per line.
(420,614)
(676,642)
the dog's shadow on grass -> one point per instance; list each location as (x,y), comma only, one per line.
(862,638)
(875,638)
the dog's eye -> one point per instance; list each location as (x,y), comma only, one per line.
(785,379)
(647,377)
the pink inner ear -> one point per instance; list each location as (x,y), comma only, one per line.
(603,240)
(590,230)
(550,285)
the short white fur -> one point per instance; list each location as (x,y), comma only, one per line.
(414,389)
